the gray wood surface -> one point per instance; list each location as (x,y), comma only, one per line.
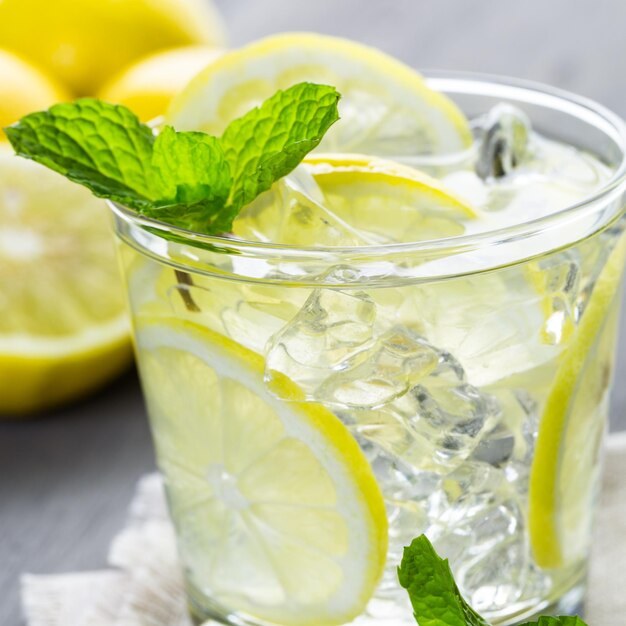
(66,479)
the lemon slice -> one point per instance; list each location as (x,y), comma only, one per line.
(386,107)
(351,200)
(278,513)
(63,327)
(562,475)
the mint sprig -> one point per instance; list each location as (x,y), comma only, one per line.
(189,179)
(435,597)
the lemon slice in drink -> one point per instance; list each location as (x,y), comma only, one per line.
(352,200)
(278,513)
(386,107)
(63,327)
(562,475)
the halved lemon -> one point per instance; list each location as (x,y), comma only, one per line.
(63,324)
(351,200)
(386,107)
(278,513)
(564,470)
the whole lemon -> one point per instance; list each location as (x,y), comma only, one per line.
(147,87)
(83,43)
(23,89)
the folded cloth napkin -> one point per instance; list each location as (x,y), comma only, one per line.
(144,586)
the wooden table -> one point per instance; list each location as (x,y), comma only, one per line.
(66,479)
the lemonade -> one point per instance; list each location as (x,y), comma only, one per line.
(411,332)
(443,383)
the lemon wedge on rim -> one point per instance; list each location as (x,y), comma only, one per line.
(386,107)
(277,510)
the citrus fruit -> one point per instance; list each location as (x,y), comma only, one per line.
(386,109)
(83,43)
(562,474)
(24,89)
(278,493)
(63,324)
(146,87)
(351,200)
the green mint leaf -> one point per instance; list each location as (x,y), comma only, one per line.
(194,181)
(99,145)
(556,621)
(435,598)
(271,140)
(189,179)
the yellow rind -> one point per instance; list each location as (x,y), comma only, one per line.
(32,383)
(356,168)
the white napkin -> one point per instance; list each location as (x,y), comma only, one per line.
(606,595)
(144,586)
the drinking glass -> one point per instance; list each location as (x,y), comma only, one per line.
(314,409)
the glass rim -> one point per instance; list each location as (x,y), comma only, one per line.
(586,109)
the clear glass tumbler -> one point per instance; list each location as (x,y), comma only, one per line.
(315,409)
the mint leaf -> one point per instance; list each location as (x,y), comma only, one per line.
(556,621)
(435,598)
(194,181)
(99,145)
(271,140)
(188,179)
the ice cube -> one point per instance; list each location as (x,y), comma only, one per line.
(333,331)
(406,492)
(295,212)
(435,425)
(258,311)
(477,522)
(557,279)
(399,359)
(506,131)
(510,446)
(496,448)
(448,413)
